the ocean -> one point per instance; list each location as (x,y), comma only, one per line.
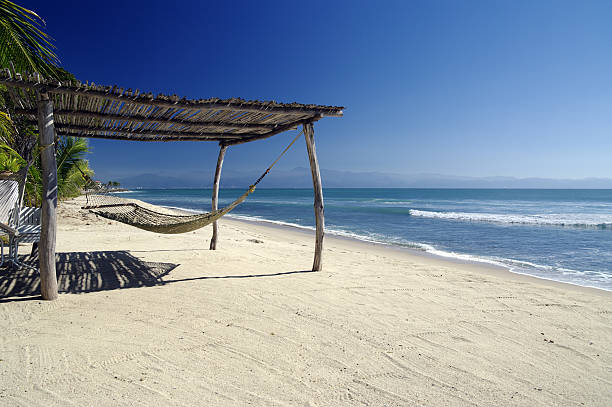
(562,235)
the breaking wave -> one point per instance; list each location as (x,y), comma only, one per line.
(598,221)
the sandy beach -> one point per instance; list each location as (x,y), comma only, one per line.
(146,319)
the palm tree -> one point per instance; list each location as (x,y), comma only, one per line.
(73,171)
(72,167)
(23,43)
(24,46)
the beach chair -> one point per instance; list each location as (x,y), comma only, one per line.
(17,224)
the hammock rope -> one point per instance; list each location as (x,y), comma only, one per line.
(128,212)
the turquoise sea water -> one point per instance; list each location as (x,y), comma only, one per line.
(563,235)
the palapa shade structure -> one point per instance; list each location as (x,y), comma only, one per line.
(89,110)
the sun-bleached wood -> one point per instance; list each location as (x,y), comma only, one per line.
(85,131)
(215,195)
(107,116)
(89,110)
(48,276)
(318,195)
(279,129)
(111,112)
(115,94)
(166,135)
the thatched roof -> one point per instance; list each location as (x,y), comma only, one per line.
(90,110)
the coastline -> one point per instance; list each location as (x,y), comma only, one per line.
(490,266)
(148,319)
(528,239)
(482,265)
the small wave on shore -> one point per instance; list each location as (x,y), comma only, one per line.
(566,220)
(555,234)
(584,278)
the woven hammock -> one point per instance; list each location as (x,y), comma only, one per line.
(128,212)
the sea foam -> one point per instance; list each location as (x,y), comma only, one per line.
(600,221)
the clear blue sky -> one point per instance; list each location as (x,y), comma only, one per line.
(477,88)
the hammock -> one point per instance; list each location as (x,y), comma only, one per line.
(138,216)
(133,214)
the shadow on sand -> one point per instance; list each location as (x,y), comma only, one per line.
(84,272)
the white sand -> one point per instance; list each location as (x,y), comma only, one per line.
(245,325)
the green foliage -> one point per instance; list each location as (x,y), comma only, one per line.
(10,160)
(23,42)
(24,45)
(71,153)
(73,171)
(33,186)
(71,167)
(7,130)
(9,164)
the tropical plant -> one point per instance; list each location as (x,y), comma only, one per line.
(7,129)
(23,43)
(73,171)
(24,46)
(10,160)
(72,167)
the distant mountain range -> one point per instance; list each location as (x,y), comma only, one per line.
(300,178)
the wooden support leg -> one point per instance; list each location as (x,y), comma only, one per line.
(215,195)
(46,132)
(318,195)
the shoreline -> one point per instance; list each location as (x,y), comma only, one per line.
(484,266)
(162,320)
(491,265)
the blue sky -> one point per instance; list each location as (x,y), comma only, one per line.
(474,88)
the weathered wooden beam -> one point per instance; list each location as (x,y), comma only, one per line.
(136,138)
(46,132)
(240,105)
(136,133)
(225,138)
(215,195)
(318,195)
(139,119)
(280,129)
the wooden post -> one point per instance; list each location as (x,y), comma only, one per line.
(318,195)
(215,195)
(46,134)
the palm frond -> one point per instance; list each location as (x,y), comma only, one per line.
(33,187)
(10,160)
(23,42)
(71,150)
(7,129)
(71,153)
